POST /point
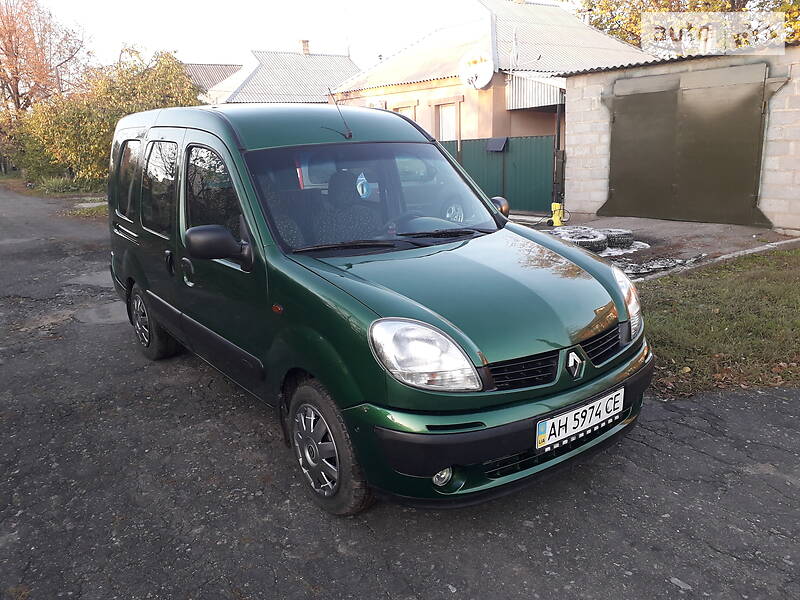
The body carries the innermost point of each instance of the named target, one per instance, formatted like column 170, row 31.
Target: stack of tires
column 595, row 240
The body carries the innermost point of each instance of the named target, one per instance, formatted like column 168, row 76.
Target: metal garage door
column 687, row 146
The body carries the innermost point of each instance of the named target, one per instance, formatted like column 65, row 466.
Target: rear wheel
column 154, row 342
column 324, row 451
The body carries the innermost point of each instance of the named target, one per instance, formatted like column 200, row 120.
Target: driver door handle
column 188, row 271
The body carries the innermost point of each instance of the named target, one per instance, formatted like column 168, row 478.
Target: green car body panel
column 509, row 294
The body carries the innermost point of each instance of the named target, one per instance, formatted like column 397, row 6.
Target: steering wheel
column 402, row 219
column 453, row 210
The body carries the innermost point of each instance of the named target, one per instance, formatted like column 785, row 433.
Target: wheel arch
column 131, row 274
column 300, row 353
column 289, row 383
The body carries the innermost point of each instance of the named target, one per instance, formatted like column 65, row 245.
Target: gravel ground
column 123, row 478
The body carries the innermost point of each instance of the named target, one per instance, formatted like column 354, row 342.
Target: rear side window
column 158, row 187
column 210, row 196
column 126, row 176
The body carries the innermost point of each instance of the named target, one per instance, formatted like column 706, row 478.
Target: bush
column 67, row 185
column 31, row 157
column 76, row 129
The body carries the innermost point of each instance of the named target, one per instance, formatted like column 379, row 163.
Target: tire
column 567, row 230
column 324, row 452
column 591, row 240
column 618, row 238
column 153, row 340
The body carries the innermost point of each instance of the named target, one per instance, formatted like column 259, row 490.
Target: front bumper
column 491, row 452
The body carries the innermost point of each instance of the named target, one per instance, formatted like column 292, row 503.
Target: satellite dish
column 477, row 69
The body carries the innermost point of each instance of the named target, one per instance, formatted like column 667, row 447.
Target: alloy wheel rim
column 141, row 321
column 316, row 450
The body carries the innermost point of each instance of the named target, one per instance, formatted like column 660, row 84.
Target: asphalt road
column 123, row 478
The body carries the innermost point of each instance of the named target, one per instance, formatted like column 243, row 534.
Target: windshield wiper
column 350, row 245
column 458, row 232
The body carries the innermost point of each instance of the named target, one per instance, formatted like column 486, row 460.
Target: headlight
column 422, row 356
column 631, row 301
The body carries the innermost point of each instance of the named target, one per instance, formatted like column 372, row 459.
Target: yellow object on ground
column 558, row 214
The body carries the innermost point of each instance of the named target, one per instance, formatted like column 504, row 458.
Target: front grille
column 508, row 465
column 599, row 348
column 539, row 369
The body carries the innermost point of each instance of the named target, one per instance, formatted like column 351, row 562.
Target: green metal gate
column 522, row 173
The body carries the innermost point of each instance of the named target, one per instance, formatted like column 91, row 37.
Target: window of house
column 210, row 196
column 126, row 176
column 447, row 122
column 158, row 187
column 407, row 111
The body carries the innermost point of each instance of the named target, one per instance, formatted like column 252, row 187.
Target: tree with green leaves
column 75, row 130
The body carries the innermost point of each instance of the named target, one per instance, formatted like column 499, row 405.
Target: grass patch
column 92, row 212
column 14, row 182
column 65, row 186
column 51, row 187
column 733, row 324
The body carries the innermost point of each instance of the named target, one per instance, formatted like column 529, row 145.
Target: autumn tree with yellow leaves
column 57, row 112
column 39, row 57
column 75, row 130
column 622, row 18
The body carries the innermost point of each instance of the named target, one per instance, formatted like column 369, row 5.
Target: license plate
column 578, row 422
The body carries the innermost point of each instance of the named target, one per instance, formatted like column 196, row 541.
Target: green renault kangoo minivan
column 343, row 268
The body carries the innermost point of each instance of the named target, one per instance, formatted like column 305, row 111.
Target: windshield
column 363, row 197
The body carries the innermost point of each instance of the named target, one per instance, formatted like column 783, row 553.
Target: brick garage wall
column 588, row 135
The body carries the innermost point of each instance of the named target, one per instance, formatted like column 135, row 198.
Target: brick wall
column 588, row 127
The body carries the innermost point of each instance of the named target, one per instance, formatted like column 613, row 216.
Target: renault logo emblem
column 574, row 365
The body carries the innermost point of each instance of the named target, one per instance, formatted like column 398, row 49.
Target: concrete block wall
column 588, row 129
column 587, row 141
column 779, row 196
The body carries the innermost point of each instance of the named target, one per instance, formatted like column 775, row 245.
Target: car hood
column 510, row 296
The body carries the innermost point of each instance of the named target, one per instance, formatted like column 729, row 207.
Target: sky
column 225, row 31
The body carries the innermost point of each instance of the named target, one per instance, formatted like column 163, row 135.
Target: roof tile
column 293, row 77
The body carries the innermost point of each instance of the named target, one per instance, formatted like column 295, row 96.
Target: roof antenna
column 348, row 133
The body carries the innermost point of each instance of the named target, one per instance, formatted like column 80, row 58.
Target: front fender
column 308, row 350
column 323, row 331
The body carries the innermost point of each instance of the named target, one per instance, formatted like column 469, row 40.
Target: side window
column 158, row 187
column 126, row 176
column 210, row 196
column 447, row 122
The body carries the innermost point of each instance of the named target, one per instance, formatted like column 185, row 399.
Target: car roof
column 256, row 126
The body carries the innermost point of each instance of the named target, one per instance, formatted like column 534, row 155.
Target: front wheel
column 325, row 453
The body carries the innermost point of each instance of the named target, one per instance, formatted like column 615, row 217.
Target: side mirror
column 502, row 205
column 214, row 241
